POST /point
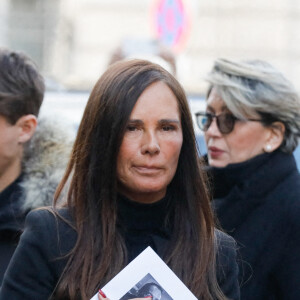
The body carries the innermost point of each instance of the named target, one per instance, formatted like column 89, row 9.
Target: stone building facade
column 73, row 40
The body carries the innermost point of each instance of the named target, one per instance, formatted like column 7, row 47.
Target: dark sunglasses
column 225, row 121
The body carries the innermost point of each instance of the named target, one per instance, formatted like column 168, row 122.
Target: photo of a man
column 147, row 287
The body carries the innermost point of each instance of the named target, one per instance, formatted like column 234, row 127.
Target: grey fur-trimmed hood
column 44, row 162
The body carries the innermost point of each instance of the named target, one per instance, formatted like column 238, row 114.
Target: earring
column 268, row 148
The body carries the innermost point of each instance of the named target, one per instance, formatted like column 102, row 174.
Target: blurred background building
column 73, row 41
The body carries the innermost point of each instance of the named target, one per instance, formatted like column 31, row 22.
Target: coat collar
column 257, row 175
column 44, row 162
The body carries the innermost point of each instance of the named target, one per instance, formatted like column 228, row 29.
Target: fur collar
column 44, row 162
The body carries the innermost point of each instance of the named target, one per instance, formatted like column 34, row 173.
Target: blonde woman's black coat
column 258, row 203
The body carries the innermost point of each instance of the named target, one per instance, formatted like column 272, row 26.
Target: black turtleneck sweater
column 35, row 270
column 258, row 203
column 144, row 225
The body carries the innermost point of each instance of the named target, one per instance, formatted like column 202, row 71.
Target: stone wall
column 74, row 39
column 30, row 26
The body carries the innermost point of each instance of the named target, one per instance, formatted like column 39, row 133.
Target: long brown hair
column 92, row 197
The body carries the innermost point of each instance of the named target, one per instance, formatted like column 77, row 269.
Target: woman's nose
column 150, row 144
column 213, row 129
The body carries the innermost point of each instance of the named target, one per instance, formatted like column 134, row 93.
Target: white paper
column 145, row 268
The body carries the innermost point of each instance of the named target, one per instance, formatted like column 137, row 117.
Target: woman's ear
column 277, row 130
column 27, row 125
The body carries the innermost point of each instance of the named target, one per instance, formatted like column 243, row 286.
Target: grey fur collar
column 44, row 162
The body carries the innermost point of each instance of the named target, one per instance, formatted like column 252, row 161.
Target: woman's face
column 151, row 146
column 247, row 139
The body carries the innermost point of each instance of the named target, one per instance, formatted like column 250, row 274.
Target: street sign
column 171, row 23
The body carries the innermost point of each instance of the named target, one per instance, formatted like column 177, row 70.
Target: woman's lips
column 147, row 170
column 215, row 152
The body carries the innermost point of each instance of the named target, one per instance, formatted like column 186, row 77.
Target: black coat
column 258, row 203
column 35, row 270
column 43, row 165
column 12, row 218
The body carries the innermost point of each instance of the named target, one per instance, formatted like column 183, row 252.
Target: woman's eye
column 131, row 128
column 168, row 128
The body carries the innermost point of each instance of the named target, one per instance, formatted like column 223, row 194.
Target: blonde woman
column 252, row 126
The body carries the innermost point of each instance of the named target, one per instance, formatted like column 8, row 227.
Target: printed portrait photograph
column 146, row 287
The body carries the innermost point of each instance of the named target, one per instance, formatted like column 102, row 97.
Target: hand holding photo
column 146, row 276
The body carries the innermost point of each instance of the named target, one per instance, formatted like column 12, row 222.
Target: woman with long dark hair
column 133, row 181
